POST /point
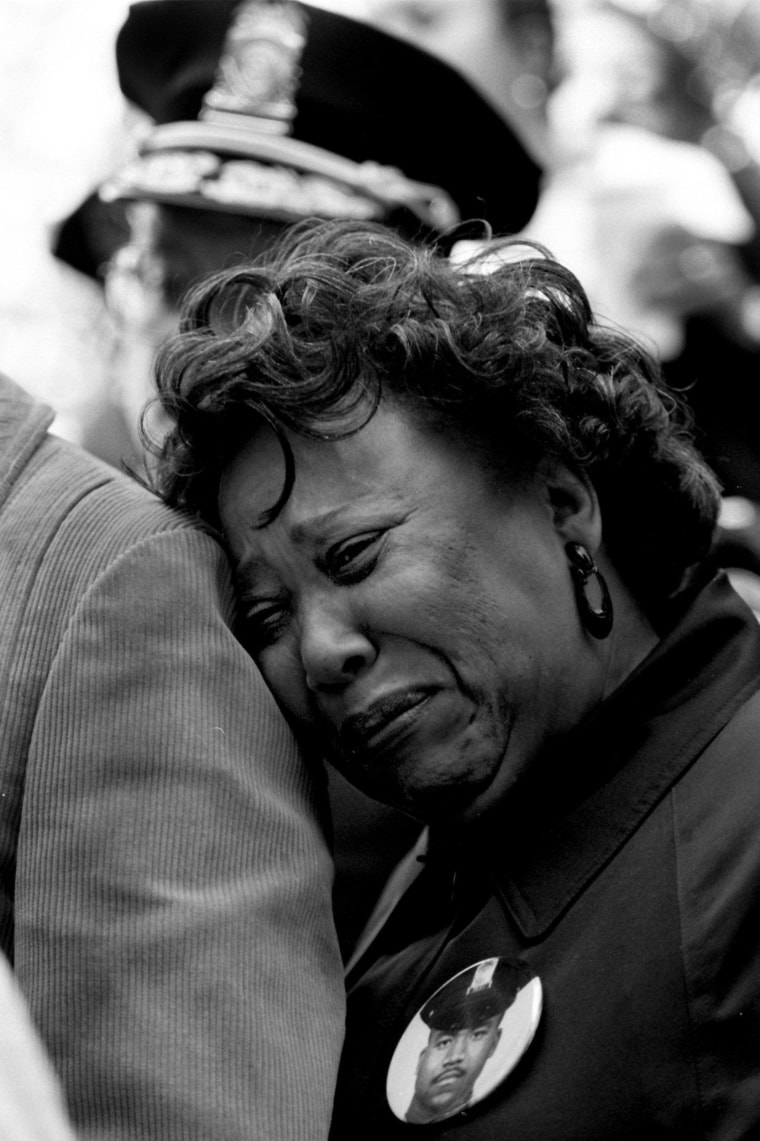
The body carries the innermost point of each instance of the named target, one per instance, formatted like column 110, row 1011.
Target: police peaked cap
column 463, row 1004
column 362, row 98
column 361, row 94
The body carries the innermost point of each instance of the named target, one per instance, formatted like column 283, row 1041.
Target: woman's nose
column 333, row 648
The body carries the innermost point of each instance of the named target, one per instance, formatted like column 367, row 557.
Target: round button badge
column 464, row 1040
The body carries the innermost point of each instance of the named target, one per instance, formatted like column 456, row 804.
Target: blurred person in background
column 265, row 114
column 655, row 202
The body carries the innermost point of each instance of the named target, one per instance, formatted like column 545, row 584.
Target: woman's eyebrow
column 302, row 531
column 252, row 565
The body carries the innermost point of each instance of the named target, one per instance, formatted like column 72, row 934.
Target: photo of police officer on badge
column 464, row 1041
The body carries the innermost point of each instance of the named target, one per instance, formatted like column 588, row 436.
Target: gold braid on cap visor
column 226, row 166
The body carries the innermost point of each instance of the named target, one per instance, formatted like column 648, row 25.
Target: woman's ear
column 574, row 505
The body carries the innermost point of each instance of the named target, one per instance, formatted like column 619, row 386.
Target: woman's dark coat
column 627, row 875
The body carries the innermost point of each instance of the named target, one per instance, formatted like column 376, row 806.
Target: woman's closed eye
column 264, row 619
column 351, row 561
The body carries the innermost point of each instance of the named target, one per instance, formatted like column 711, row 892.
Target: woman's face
column 415, row 619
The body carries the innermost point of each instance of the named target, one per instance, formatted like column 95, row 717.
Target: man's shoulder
column 66, row 481
column 68, row 520
column 63, row 480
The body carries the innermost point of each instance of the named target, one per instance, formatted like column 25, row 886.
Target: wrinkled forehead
column 278, row 472
column 340, row 459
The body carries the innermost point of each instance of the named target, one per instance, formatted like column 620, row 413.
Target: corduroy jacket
column 164, row 880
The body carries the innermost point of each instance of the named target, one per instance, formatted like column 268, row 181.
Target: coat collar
column 541, row 850
column 611, row 772
column 23, row 425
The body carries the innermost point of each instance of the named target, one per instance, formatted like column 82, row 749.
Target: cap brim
column 231, row 167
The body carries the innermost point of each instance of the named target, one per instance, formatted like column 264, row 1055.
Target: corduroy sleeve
column 173, row 926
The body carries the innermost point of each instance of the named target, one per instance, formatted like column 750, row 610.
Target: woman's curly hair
column 345, row 314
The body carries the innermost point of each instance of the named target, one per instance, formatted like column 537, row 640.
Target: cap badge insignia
column 259, row 68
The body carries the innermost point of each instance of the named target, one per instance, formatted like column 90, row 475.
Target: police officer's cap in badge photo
column 283, row 111
column 464, row 1041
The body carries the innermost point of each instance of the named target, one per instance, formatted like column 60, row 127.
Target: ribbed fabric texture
column 164, row 882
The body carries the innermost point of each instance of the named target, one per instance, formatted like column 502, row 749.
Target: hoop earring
column 597, row 619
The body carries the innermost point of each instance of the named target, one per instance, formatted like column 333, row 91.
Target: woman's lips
column 384, row 717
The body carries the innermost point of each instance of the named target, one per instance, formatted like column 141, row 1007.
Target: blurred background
column 644, row 115
column 61, row 118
